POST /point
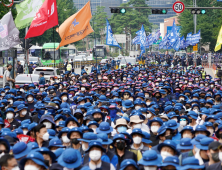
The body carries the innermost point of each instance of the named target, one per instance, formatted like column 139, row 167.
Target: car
column 22, row 79
column 126, row 60
column 48, row 72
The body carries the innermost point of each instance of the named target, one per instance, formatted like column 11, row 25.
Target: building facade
column 94, row 3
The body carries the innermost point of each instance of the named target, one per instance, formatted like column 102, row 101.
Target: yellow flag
column 219, row 41
column 76, row 27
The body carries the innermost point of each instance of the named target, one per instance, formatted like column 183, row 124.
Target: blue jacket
column 42, row 80
column 177, row 138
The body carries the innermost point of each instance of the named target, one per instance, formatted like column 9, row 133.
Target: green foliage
column 132, row 20
column 209, row 23
column 4, row 10
column 65, row 9
column 99, row 19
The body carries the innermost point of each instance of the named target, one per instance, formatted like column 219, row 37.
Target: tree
column 4, row 10
column 132, row 20
column 99, row 19
column 209, row 23
column 65, row 9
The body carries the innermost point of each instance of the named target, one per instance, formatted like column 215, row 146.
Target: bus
column 35, row 51
column 49, row 59
column 101, row 51
column 72, row 52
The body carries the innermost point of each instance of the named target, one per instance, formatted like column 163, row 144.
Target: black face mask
column 187, row 107
column 97, row 119
column 202, row 105
column 157, row 112
column 103, row 91
column 9, row 69
column 207, row 107
column 75, row 141
column 217, row 98
column 158, row 97
column 120, row 145
column 78, row 116
column 190, row 120
column 215, row 157
column 169, row 137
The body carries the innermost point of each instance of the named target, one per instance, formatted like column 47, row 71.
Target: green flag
column 26, row 12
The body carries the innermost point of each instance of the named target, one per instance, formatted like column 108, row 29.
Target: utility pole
column 26, row 54
column 195, row 29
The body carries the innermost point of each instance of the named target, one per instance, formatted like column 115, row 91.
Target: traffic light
column 27, row 44
column 118, row 10
column 159, row 11
column 22, row 43
column 198, row 11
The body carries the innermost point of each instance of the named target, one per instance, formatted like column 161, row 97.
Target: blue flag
column 156, row 36
column 195, row 38
column 110, row 40
column 176, row 45
column 188, row 39
column 136, row 40
column 182, row 42
column 173, row 34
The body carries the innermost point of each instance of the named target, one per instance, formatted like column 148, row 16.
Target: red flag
column 7, row 124
column 45, row 18
column 23, row 138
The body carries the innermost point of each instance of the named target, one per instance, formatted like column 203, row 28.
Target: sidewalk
column 210, row 71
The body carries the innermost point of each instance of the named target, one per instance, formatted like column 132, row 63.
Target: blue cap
column 127, row 104
column 52, row 133
column 75, row 129
column 104, row 127
column 34, row 156
column 150, row 158
column 55, row 142
column 95, row 143
column 33, row 145
column 197, row 139
column 146, row 138
column 191, row 163
column 172, row 124
column 128, row 162
column 171, row 160
column 185, row 144
column 44, row 150
column 168, row 143
column 58, row 152
column 137, row 131
column 203, row 145
column 105, row 139
column 88, row 136
column 20, row 150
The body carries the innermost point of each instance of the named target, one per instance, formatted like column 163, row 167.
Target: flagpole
column 54, row 44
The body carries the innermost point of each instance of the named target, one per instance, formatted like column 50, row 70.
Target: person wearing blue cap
column 48, row 155
column 129, row 164
column 22, row 113
column 74, row 134
column 170, row 163
column 12, row 123
column 191, row 163
column 20, row 150
column 95, row 151
column 34, row 160
column 168, row 148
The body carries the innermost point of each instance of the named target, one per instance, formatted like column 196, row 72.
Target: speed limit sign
column 178, row 7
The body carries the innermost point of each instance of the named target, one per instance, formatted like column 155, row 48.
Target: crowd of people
column 141, row 117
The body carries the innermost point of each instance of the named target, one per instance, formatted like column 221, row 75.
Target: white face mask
column 83, row 81
column 137, row 107
column 65, row 139
column 196, row 110
column 9, row 115
column 70, row 127
column 60, row 87
column 3, row 94
column 124, row 109
column 147, row 96
column 64, row 98
column 41, row 89
column 187, row 136
column 95, row 155
column 25, row 132
column 183, row 123
column 68, row 168
column 137, row 126
column 137, row 140
column 15, row 168
column 131, row 99
column 165, row 154
column 175, row 119
column 24, row 112
column 84, row 148
column 48, row 125
column 220, row 156
column 30, row 99
column 32, row 167
column 83, row 88
column 154, row 129
column 149, row 168
column 212, row 86
column 148, row 103
column 45, row 137
column 149, row 115
column 10, row 101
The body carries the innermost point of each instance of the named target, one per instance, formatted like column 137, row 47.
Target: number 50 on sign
column 178, row 7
